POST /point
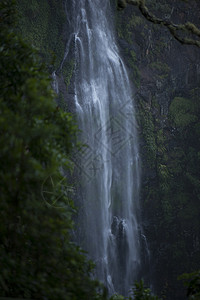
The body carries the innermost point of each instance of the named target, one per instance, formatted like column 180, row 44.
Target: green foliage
column 67, row 71
column 138, row 292
column 37, row 258
column 117, row 297
column 142, row 293
column 183, row 111
column 192, row 282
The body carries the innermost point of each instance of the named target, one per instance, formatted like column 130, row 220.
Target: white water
column 109, row 172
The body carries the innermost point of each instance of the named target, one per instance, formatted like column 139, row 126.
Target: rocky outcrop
column 163, row 70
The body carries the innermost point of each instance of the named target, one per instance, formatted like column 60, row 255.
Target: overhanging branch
column 174, row 29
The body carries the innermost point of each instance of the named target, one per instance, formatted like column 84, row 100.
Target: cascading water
column 109, row 166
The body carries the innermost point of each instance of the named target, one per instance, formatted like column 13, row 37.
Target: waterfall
column 108, row 167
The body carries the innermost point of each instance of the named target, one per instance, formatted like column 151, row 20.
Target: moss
column 135, row 21
column 67, row 71
column 160, row 141
column 148, row 133
column 183, row 112
column 41, row 23
column 135, row 74
column 160, row 67
column 155, row 103
column 162, row 7
column 126, row 25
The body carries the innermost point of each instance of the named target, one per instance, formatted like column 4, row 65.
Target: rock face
column 164, row 73
column 166, row 76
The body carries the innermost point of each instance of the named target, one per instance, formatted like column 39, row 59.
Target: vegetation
column 138, row 292
column 142, row 293
column 42, row 24
column 192, row 281
column 37, row 257
column 186, row 33
column 173, row 190
column 168, row 114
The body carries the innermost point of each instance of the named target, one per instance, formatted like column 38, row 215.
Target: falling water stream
column 109, row 172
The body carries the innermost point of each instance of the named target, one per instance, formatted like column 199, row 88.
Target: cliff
column 166, row 76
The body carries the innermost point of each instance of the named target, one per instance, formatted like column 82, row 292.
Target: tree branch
column 174, row 29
